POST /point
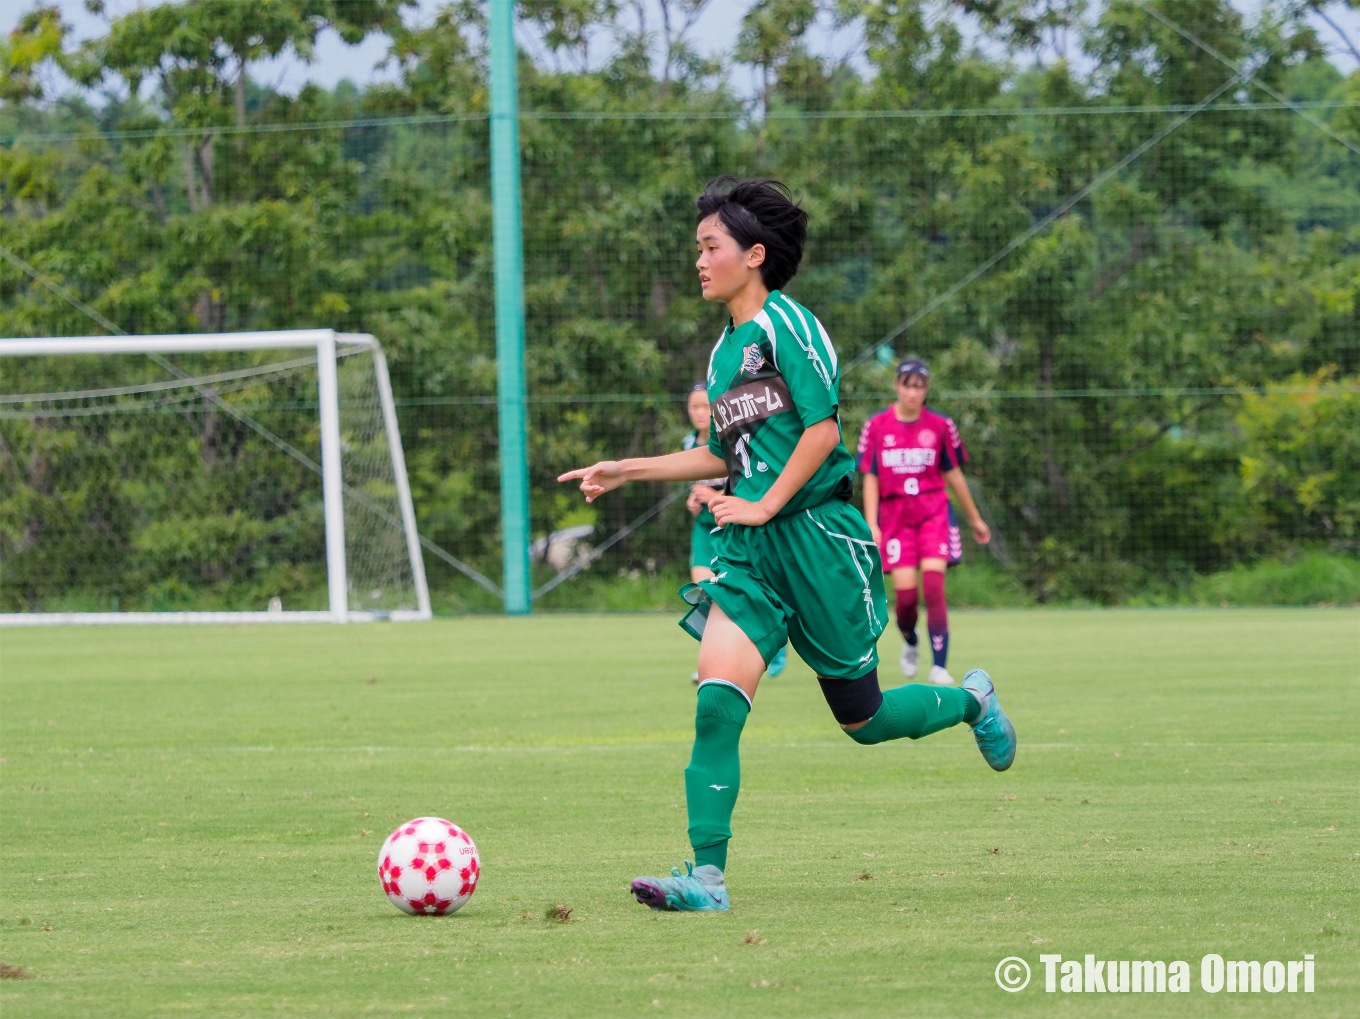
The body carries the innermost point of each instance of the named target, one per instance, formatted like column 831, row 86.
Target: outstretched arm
column 958, row 488
column 607, row 475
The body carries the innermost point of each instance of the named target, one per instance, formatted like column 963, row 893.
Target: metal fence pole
column 509, row 252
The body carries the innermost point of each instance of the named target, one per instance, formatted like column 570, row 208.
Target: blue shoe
column 777, row 663
column 993, row 730
column 700, row 889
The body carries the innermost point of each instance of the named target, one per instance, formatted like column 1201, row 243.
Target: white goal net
column 203, row 478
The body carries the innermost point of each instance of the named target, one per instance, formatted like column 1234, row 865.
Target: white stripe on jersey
column 830, row 347
column 764, row 321
column 855, row 552
column 799, row 312
column 809, row 347
column 821, row 331
column 712, row 378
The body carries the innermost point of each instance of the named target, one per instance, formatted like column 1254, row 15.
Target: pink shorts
column 908, row 537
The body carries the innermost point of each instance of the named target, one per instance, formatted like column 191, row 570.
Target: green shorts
column 812, row 579
column 701, row 550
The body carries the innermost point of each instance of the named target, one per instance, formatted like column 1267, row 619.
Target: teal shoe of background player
column 777, row 663
column 702, row 888
column 992, row 729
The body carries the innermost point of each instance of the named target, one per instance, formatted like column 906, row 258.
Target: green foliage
column 180, row 511
column 1225, row 259
column 36, row 40
column 981, row 583
column 1312, row 578
column 625, row 590
column 1301, row 464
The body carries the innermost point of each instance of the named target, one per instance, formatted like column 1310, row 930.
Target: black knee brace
column 852, row 700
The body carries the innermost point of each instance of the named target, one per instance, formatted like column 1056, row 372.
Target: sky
column 714, row 32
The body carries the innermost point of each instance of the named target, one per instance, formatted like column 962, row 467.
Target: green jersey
column 768, row 381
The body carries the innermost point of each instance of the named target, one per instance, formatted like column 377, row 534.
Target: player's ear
column 755, row 256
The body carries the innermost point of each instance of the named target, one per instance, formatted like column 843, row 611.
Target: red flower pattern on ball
column 428, row 867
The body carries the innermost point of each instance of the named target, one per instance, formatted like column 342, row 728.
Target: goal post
column 376, row 571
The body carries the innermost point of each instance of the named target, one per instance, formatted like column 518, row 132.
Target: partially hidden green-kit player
column 793, row 560
column 701, row 551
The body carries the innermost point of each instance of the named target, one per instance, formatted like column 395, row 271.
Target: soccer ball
column 429, row 866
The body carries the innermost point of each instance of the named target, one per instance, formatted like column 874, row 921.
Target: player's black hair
column 759, row 211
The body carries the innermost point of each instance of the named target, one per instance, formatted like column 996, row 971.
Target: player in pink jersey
column 912, row 459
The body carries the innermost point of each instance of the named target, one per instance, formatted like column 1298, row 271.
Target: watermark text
column 1090, row 975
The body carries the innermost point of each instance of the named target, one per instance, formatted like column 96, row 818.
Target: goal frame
column 323, row 342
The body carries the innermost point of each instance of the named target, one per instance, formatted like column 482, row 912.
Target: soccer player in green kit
column 701, row 552
column 794, row 559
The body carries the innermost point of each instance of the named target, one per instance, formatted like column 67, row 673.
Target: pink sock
column 906, row 613
column 937, row 615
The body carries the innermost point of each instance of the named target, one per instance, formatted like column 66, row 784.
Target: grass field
column 191, row 818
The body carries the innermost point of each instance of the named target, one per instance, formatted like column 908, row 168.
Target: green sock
column 973, row 710
column 716, row 855
column 714, row 773
column 917, row 710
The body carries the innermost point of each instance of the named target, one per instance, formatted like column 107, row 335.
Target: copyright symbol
column 1012, row 974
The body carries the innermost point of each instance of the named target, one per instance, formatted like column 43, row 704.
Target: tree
column 198, row 53
column 1223, row 258
column 771, row 34
column 1319, row 7
column 36, row 40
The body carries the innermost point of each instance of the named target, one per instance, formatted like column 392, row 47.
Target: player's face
column 912, row 391
column 699, row 411
column 724, row 268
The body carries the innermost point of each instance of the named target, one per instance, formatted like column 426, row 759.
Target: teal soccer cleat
column 993, row 730
column 696, row 890
column 777, row 663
